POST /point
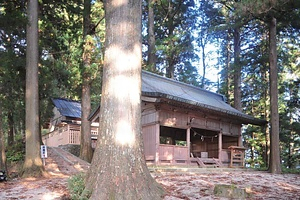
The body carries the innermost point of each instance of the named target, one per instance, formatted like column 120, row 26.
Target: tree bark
column 151, row 37
column 170, row 70
column 237, row 70
column 10, row 137
column 3, row 165
column 274, row 136
column 118, row 169
column 228, row 69
column 266, row 105
column 202, row 45
column 86, row 152
column 33, row 165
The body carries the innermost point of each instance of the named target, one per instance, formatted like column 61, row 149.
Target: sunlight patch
column 119, row 3
column 125, row 134
column 126, row 88
column 50, row 196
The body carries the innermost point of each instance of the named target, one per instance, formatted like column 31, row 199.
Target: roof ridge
column 65, row 99
column 185, row 84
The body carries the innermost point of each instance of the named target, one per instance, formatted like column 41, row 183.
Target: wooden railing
column 173, row 154
column 65, row 135
column 62, row 136
column 74, row 136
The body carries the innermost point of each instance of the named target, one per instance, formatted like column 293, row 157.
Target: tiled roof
column 67, row 107
column 157, row 86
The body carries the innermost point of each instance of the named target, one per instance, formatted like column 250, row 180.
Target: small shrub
column 290, row 171
column 15, row 152
column 76, row 187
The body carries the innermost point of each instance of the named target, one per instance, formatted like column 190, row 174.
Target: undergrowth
column 290, row 171
column 15, row 152
column 76, row 187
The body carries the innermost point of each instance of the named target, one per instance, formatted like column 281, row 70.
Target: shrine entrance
column 204, row 143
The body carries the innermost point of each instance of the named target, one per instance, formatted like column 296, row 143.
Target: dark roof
column 67, row 107
column 154, row 85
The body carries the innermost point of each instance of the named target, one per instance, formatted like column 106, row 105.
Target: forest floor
column 179, row 184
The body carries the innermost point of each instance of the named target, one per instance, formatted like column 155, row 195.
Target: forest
column 252, row 45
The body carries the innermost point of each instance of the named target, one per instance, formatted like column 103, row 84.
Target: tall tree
column 174, row 22
column 256, row 96
column 270, row 12
column 12, row 59
column 208, row 19
column 118, row 169
column 33, row 165
column 86, row 152
column 151, row 37
column 237, row 69
column 274, row 137
column 3, row 165
column 290, row 104
column 236, row 23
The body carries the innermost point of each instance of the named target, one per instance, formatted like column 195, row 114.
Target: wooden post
column 220, row 147
column 240, row 139
column 188, row 143
column 69, row 134
column 157, row 134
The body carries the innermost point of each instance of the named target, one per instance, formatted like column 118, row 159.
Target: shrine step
column 208, row 162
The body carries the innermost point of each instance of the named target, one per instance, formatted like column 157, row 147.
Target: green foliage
column 60, row 47
column 16, row 152
column 290, row 171
column 174, row 25
column 252, row 18
column 76, row 187
column 180, row 27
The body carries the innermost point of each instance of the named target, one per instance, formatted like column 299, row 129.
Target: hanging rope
column 202, row 137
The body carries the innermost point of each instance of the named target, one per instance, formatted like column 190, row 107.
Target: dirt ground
column 260, row 185
column 190, row 184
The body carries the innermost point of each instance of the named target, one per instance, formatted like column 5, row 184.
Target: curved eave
column 243, row 118
column 94, row 114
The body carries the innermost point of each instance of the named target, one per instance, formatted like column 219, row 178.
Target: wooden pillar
column 188, row 143
column 157, row 135
column 69, row 134
column 220, row 147
column 240, row 139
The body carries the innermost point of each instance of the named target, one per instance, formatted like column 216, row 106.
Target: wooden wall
column 149, row 129
column 149, row 114
column 155, row 115
column 172, row 116
column 149, row 138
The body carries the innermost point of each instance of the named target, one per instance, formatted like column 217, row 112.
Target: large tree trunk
column 274, row 136
column 151, row 37
column 118, row 169
column 33, row 165
column 237, row 70
column 86, row 152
